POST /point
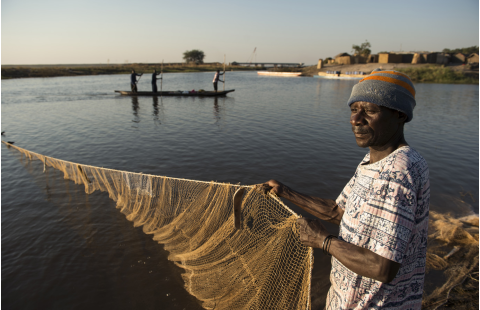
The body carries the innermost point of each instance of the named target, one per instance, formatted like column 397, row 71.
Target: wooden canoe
column 177, row 93
column 284, row 74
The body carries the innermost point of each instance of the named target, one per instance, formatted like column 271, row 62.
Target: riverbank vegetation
column 464, row 50
column 419, row 73
column 23, row 71
column 440, row 74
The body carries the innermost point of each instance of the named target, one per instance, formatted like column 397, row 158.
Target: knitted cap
column 390, row 89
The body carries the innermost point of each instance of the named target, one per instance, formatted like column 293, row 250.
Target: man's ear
column 402, row 116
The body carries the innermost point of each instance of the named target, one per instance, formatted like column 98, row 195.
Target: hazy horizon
column 116, row 32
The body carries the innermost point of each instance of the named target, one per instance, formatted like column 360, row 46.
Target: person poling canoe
column 216, row 79
column 154, row 80
column 133, row 80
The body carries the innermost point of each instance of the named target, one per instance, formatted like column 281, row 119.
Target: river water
column 64, row 249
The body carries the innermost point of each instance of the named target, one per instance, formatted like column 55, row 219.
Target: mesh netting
column 453, row 249
column 261, row 266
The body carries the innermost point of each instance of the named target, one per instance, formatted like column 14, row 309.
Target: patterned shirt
column 386, row 211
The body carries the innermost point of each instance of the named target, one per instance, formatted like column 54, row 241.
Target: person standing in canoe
column 133, row 81
column 216, row 79
column 154, row 81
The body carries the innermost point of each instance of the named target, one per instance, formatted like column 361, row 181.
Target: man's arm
column 359, row 260
column 325, row 209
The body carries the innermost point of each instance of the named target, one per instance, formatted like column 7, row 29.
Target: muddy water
column 64, row 249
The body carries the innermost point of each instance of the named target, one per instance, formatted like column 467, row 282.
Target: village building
column 458, row 58
column 372, row 58
column 389, row 58
column 422, row 58
column 320, row 64
column 343, row 59
column 359, row 59
column 407, row 58
column 417, row 58
column 472, row 58
column 443, row 58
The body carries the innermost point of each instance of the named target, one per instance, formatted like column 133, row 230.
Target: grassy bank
column 12, row 72
column 419, row 73
column 440, row 74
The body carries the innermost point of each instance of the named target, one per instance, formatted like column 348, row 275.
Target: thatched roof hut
column 472, row 58
column 458, row 58
column 343, row 59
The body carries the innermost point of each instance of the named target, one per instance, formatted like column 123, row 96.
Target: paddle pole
column 223, row 72
column 161, row 78
column 136, row 83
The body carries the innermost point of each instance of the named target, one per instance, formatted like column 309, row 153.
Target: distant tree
column 363, row 49
column 194, row 56
column 464, row 50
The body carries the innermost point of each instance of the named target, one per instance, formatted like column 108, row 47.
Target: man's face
column 374, row 125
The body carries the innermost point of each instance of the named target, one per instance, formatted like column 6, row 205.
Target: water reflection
column 216, row 111
column 135, row 108
column 158, row 111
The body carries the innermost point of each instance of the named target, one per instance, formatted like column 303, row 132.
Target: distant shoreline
column 26, row 71
column 420, row 73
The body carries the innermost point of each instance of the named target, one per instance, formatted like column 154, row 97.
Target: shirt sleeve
column 388, row 216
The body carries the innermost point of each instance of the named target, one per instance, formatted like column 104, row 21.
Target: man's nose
column 357, row 118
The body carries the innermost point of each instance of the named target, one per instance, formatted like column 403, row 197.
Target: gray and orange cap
column 390, row 89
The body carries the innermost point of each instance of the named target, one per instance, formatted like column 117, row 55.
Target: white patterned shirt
column 386, row 211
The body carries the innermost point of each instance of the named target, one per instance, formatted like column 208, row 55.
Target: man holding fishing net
column 378, row 258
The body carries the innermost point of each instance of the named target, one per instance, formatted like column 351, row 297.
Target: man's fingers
column 263, row 188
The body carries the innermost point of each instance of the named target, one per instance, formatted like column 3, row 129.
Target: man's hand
column 312, row 232
column 273, row 186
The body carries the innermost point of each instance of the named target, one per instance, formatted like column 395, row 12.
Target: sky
column 297, row 31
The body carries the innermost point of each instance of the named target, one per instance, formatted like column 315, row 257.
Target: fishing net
column 453, row 249
column 261, row 265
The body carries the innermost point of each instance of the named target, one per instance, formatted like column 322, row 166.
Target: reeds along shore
column 23, row 71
